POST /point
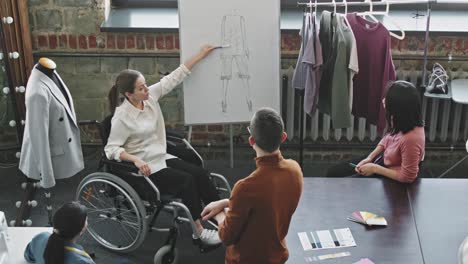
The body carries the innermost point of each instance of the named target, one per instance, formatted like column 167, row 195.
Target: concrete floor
column 10, row 192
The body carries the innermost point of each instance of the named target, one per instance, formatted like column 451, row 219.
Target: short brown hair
column 267, row 129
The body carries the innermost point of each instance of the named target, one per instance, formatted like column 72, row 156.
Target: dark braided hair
column 68, row 221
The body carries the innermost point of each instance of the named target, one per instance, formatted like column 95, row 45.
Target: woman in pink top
column 398, row 154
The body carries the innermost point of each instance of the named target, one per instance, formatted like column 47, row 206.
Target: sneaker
column 210, row 237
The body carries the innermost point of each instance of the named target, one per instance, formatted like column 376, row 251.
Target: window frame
column 144, row 3
column 292, row 4
column 165, row 18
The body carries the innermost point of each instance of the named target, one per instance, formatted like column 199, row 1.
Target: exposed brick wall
column 411, row 45
column 169, row 43
column 105, row 42
column 71, row 26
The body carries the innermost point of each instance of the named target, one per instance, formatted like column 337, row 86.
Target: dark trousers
column 344, row 169
column 189, row 182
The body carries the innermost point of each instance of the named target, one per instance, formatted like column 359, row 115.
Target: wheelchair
column 123, row 208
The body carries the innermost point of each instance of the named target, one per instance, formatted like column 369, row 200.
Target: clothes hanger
column 386, row 14
column 311, row 11
column 370, row 12
column 334, row 6
column 311, row 7
column 47, row 63
column 346, row 12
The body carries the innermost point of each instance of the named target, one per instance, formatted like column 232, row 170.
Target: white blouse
column 142, row 133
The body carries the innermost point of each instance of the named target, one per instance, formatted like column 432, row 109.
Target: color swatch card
column 324, row 239
column 327, row 256
column 364, row 261
column 367, row 218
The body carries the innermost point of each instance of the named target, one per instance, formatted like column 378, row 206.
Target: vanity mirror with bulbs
column 16, row 62
column 8, row 129
column 15, row 65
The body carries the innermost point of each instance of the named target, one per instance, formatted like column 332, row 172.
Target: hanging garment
column 376, row 69
column 326, row 35
column 345, row 67
column 312, row 58
column 353, row 58
column 299, row 76
column 340, row 64
column 51, row 143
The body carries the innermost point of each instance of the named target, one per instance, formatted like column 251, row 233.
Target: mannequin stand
column 24, row 206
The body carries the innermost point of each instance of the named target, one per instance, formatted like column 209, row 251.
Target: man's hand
column 220, row 217
column 213, row 209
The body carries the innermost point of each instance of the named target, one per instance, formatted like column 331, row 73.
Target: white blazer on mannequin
column 51, row 143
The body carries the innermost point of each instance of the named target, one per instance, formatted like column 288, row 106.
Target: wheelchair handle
column 88, row 122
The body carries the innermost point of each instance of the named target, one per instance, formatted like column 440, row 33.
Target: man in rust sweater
column 254, row 222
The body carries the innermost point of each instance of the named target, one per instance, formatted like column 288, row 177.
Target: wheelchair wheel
column 165, row 256
column 116, row 215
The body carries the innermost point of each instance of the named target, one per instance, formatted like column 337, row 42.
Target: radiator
column 445, row 120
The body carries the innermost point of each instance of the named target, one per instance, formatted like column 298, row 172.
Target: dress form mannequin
column 51, row 147
column 47, row 66
column 47, row 63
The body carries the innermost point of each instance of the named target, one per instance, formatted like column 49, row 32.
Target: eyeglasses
column 248, row 129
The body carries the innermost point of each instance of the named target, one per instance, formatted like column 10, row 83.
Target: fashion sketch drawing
column 235, row 50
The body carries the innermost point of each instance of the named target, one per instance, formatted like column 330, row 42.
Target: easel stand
column 231, row 144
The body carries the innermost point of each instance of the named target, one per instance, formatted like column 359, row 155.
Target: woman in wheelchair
column 69, row 222
column 138, row 135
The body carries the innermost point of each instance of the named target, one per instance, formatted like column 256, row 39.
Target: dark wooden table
column 440, row 207
column 327, row 202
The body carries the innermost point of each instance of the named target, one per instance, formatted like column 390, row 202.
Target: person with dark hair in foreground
column 70, row 221
column 254, row 222
column 399, row 153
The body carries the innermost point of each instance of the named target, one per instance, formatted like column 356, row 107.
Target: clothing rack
column 368, row 3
